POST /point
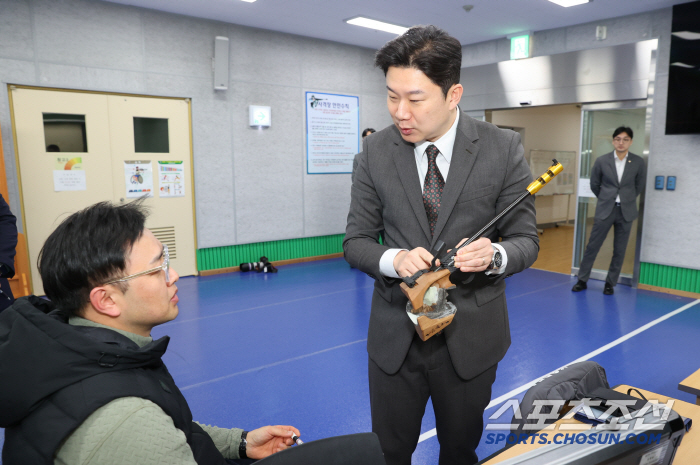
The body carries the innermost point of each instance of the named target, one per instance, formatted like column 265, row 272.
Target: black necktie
column 432, row 188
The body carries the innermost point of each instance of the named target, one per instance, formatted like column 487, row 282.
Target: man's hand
column 268, row 440
column 474, row 257
column 407, row 263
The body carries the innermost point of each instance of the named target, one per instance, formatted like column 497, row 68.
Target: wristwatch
column 496, row 260
column 242, row 447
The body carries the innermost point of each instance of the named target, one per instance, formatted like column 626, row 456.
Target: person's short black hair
column 368, row 131
column 428, row 49
column 87, row 249
column 622, row 129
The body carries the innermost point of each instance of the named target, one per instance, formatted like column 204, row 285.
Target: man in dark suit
column 8, row 243
column 436, row 174
column 617, row 178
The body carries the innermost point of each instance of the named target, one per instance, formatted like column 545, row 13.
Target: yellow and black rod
column 447, row 260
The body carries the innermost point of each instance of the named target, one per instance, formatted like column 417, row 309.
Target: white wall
column 250, row 185
column 670, row 227
column 556, row 128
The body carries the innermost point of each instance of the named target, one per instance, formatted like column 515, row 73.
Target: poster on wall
column 332, row 132
column 69, row 175
column 139, row 178
column 171, row 178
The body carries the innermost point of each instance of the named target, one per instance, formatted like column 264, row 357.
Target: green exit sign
column 519, row 47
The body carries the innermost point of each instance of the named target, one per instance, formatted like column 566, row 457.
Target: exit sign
column 520, row 47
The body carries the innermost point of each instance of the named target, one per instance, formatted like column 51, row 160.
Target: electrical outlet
column 601, row 32
column 671, row 183
column 659, row 183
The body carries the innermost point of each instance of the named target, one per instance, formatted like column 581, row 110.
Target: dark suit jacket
column 486, row 174
column 8, row 243
column 605, row 185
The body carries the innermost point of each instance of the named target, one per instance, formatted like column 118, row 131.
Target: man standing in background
column 617, row 179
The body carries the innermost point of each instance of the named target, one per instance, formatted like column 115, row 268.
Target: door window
column 64, row 132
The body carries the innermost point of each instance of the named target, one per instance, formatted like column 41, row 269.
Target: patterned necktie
column 432, row 188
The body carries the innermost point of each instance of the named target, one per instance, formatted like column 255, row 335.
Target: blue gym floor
column 252, row 349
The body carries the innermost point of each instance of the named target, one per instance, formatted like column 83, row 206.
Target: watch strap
column 242, row 447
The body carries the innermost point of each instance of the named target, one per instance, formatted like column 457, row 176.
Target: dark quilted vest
column 40, row 434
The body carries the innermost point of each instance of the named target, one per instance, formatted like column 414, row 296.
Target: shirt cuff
column 504, row 261
column 386, row 263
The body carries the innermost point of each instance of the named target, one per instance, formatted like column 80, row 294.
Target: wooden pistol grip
column 416, row 293
column 445, row 282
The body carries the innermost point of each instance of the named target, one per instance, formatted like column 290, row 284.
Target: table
column 691, row 385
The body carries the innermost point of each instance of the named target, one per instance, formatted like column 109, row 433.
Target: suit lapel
column 611, row 164
column 405, row 162
column 629, row 164
column 463, row 158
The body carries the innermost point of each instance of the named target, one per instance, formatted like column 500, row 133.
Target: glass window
column 64, row 132
column 151, row 135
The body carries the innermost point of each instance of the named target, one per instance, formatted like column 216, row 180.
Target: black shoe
column 579, row 286
column 608, row 290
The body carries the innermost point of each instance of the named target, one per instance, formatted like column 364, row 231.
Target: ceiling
column 324, row 19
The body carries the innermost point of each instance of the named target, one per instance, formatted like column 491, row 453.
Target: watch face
column 497, row 260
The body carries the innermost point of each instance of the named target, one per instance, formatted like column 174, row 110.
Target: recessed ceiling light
column 569, row 2
column 378, row 25
column 249, row 1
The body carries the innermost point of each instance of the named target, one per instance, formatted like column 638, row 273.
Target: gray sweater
column 135, row 430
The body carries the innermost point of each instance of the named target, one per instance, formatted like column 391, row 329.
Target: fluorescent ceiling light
column 687, row 35
column 249, row 1
column 568, row 3
column 378, row 25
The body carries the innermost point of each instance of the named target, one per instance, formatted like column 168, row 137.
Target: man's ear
column 104, row 301
column 455, row 95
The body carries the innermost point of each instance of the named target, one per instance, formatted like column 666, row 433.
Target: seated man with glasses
column 81, row 379
column 617, row 179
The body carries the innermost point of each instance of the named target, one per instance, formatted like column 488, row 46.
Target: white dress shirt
column 444, row 144
column 620, row 168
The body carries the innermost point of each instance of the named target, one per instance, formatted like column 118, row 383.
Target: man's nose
column 173, row 275
column 402, row 110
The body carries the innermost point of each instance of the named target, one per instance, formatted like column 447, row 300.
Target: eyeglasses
column 165, row 267
column 618, row 140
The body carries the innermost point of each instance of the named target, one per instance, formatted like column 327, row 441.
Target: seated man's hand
column 474, row 257
column 268, row 440
column 407, row 263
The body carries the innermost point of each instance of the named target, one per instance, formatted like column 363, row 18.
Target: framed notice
column 332, row 132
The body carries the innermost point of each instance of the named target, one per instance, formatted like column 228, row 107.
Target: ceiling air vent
column 166, row 235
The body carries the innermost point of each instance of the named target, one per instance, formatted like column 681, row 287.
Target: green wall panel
column 233, row 255
column 670, row 277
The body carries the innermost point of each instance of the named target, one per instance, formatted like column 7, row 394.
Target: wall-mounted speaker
column 221, row 63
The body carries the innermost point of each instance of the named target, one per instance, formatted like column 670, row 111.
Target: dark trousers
column 598, row 235
column 398, row 403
